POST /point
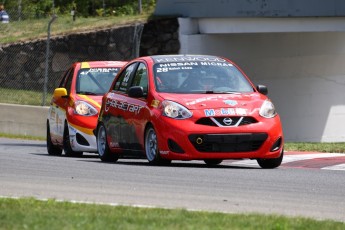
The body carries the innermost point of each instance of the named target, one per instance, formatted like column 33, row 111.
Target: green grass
column 29, row 213
column 337, row 147
column 24, row 137
column 19, row 31
column 23, row 97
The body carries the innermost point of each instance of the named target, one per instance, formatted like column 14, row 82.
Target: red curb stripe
column 302, row 153
column 316, row 162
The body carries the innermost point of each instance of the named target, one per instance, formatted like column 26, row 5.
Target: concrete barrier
column 23, row 120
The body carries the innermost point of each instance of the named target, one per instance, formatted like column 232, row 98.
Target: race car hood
column 249, row 101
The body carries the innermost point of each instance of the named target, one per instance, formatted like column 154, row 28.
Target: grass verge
column 23, row 97
column 17, row 31
column 334, row 147
column 29, row 213
column 25, row 137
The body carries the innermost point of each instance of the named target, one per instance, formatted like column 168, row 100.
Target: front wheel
column 271, row 163
column 151, row 148
column 51, row 148
column 104, row 152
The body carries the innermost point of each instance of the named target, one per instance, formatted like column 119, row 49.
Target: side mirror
column 60, row 92
column 262, row 89
column 136, row 91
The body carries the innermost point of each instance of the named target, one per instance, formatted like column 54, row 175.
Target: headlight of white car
column 85, row 109
column 267, row 109
column 175, row 110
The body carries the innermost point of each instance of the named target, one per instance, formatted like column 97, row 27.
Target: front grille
column 206, row 121
column 237, row 142
column 226, row 121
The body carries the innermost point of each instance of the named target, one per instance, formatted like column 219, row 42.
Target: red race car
column 75, row 106
column 188, row 107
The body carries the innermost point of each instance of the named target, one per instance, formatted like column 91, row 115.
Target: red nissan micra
column 188, row 107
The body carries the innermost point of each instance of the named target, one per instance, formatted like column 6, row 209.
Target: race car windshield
column 95, row 81
column 200, row 77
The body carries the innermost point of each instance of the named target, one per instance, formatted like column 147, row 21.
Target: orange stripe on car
column 90, row 100
column 82, row 129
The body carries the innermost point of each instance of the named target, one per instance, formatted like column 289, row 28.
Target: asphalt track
column 306, row 184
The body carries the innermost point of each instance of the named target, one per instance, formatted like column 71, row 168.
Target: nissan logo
column 227, row 121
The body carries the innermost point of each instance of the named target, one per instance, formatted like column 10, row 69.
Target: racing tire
column 67, row 144
column 213, row 162
column 103, row 150
column 52, row 149
column 151, row 148
column 271, row 163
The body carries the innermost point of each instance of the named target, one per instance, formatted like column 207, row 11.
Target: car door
column 137, row 113
column 58, row 107
column 115, row 113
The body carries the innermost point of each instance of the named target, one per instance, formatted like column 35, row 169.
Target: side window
column 66, row 82
column 64, row 77
column 69, row 81
column 122, row 82
column 140, row 78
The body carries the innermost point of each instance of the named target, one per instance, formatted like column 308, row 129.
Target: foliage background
column 35, row 9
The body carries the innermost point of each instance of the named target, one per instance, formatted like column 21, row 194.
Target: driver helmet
column 208, row 81
column 167, row 80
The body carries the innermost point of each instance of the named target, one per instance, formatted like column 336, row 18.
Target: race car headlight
column 174, row 110
column 85, row 109
column 267, row 109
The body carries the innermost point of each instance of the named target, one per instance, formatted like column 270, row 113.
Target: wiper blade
column 226, row 92
column 219, row 92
